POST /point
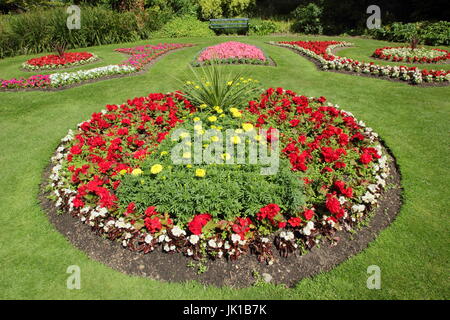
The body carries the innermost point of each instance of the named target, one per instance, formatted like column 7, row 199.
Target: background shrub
column 262, row 27
column 211, row 9
column 429, row 33
column 184, row 26
column 307, row 19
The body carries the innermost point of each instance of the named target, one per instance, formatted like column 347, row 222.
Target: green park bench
column 223, row 24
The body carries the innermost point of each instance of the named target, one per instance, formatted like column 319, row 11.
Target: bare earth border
column 334, row 51
column 172, row 267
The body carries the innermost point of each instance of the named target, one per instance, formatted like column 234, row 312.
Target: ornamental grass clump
column 213, row 86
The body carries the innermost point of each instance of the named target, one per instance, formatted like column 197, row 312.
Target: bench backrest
column 228, row 23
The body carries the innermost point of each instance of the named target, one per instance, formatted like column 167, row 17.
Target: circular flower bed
column 117, row 173
column 231, row 52
column 410, row 55
column 54, row 61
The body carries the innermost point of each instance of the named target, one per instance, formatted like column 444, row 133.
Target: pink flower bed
column 231, row 50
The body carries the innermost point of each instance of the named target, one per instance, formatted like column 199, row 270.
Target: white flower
column 235, row 237
column 177, row 231
column 148, row 239
column 307, row 229
column 369, row 198
column 212, row 243
column 194, row 239
column 358, row 208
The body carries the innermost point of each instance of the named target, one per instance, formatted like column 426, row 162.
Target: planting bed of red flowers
column 54, row 61
column 340, row 159
column 322, row 52
column 410, row 55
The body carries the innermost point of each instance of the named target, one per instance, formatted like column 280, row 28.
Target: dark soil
column 318, row 65
column 241, row 273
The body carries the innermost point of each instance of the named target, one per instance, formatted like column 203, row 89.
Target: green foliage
column 227, row 191
column 215, row 87
column 211, row 9
column 262, row 27
column 38, row 30
column 185, row 26
column 308, row 19
column 179, row 7
column 437, row 33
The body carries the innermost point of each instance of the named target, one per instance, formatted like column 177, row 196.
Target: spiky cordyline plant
column 212, row 86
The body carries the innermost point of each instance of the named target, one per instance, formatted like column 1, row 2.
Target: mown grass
column 413, row 253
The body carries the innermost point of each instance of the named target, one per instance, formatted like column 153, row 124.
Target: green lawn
column 413, row 253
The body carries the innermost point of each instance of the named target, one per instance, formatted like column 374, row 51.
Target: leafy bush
column 211, row 9
column 307, row 19
column 185, row 26
column 262, row 27
column 437, row 33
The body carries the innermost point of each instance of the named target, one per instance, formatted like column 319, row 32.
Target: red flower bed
column 344, row 173
column 397, row 54
column 322, row 51
column 54, row 61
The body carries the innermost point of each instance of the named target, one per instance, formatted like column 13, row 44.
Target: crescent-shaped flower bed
column 115, row 173
column 231, row 52
column 410, row 55
column 140, row 57
column 322, row 53
column 54, row 61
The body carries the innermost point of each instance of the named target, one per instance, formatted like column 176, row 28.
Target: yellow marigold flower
column 198, row 127
column 230, row 83
column 163, row 153
column 197, row 87
column 136, row 172
column 237, row 114
column 233, row 110
column 212, row 119
column 189, row 166
column 238, row 131
column 235, row 139
column 196, row 119
column 200, row 173
column 214, row 138
column 226, row 156
column 123, row 171
column 186, row 155
column 258, row 137
column 247, row 127
column 202, row 106
column 156, row 168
